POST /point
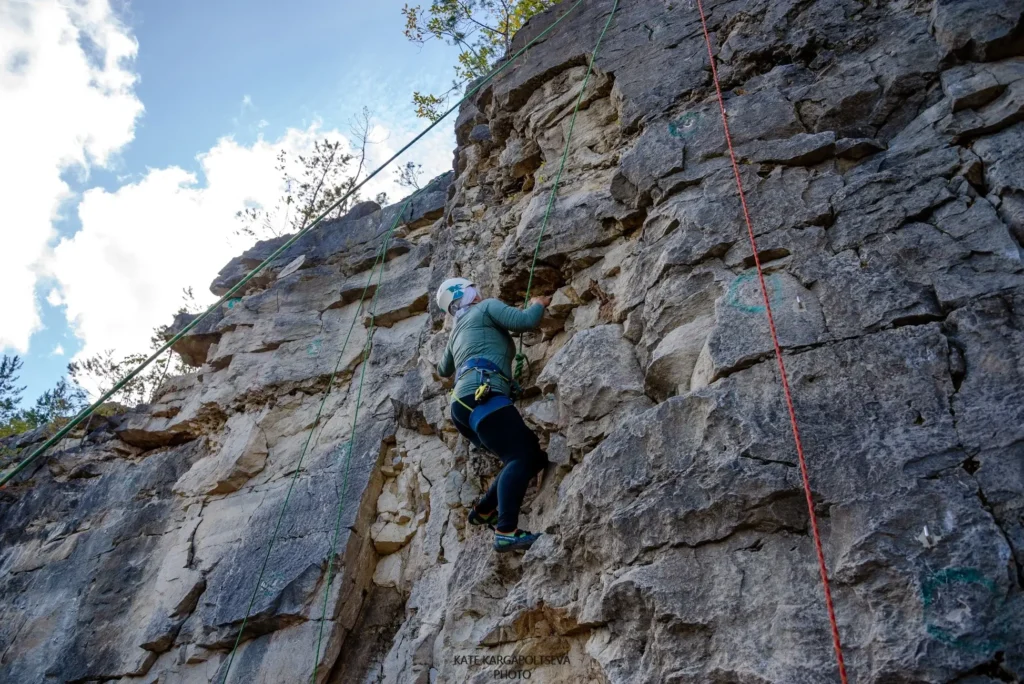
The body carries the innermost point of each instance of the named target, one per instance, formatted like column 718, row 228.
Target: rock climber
column 480, row 352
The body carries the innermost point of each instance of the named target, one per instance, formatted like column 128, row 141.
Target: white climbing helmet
column 451, row 290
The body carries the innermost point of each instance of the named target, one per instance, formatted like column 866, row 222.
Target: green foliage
column 59, row 403
column 17, row 424
column 481, row 29
column 430, row 106
column 10, row 393
column 103, row 370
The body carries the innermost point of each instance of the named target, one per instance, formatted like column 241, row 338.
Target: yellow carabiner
column 481, row 391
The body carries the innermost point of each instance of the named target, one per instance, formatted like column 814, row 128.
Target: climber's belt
column 487, row 401
column 485, row 369
column 483, row 366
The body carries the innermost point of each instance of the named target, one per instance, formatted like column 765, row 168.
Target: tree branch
column 311, row 204
column 469, row 15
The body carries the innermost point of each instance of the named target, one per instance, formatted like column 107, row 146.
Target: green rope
column 520, row 357
column 381, row 257
column 84, row 413
column 366, row 352
column 348, row 463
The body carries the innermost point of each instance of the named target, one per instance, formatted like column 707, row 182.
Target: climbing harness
column 230, row 294
column 778, row 356
column 492, row 402
column 351, row 443
column 520, row 357
column 495, row 401
column 485, row 367
column 487, row 401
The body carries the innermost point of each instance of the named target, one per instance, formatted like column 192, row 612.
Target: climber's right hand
column 543, row 301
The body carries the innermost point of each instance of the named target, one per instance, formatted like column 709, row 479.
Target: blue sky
column 296, row 61
column 214, row 86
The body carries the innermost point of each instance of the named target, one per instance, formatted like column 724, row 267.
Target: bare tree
column 408, row 175
column 324, row 176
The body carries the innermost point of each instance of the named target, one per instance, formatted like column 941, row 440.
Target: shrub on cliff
column 481, row 29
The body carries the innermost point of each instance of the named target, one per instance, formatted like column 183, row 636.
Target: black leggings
column 505, row 434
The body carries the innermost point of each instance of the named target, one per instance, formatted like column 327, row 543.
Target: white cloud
column 123, row 273
column 66, row 84
column 58, row 350
column 433, row 152
column 68, row 103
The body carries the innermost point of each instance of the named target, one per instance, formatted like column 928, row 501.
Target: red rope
column 778, row 355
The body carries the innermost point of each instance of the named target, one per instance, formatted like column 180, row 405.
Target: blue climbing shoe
column 517, row 541
column 475, row 518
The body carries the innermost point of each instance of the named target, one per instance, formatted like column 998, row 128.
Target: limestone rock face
column 881, row 148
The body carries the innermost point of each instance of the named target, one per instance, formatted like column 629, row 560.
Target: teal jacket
column 483, row 332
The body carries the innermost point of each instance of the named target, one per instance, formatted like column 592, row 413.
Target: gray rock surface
column 880, row 146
